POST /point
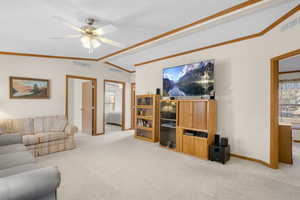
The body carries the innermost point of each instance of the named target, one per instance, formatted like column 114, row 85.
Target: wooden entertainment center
column 199, row 116
column 186, row 126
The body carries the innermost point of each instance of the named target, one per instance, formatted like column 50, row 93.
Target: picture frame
column 28, row 88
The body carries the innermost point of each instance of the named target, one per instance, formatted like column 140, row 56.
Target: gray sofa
column 20, row 176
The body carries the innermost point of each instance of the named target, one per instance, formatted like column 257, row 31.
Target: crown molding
column 171, row 32
column 263, row 32
column 45, row 56
column 119, row 67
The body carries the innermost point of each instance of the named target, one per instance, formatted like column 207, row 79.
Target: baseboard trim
column 297, row 141
column 102, row 133
column 251, row 159
column 114, row 124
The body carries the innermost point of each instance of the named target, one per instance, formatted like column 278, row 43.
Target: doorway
column 114, row 106
column 281, row 137
column 81, row 103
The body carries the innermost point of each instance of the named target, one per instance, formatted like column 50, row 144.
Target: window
column 289, row 101
column 110, row 100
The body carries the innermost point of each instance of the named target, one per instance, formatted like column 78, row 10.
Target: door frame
column 123, row 102
column 274, row 102
column 132, row 108
column 94, row 83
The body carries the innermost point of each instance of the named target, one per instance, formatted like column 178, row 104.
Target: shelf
column 145, row 106
column 172, row 120
column 167, row 126
column 197, row 137
column 193, row 129
column 144, row 128
column 145, row 117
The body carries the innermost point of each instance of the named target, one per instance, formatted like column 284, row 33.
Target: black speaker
column 217, row 140
column 219, row 153
column 158, row 91
column 224, row 142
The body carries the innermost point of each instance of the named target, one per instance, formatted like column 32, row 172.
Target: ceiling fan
column 90, row 36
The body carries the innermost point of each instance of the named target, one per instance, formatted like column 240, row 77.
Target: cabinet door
column 199, row 117
column 188, row 144
column 179, row 134
column 185, row 114
column 201, row 147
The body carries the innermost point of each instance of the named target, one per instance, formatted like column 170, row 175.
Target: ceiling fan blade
column 68, row 24
column 105, row 29
column 67, row 37
column 110, row 42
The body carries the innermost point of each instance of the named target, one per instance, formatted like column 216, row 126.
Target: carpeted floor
column 118, row 167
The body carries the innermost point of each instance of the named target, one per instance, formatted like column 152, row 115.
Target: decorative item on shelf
column 157, row 91
column 212, row 97
column 219, row 152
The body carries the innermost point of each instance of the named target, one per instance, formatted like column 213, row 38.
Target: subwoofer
column 219, row 153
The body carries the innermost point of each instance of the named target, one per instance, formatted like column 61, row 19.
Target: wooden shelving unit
column 147, row 117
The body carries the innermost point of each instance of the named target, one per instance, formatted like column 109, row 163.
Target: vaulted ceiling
column 28, row 25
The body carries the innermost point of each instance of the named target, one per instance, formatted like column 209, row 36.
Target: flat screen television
column 196, row 79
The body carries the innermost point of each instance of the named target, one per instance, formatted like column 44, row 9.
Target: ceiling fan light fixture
column 90, row 36
column 95, row 43
column 85, row 41
column 88, row 42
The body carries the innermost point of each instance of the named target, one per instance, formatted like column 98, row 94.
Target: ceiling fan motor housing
column 90, row 21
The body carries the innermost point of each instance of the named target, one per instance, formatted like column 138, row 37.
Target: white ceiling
column 228, row 30
column 290, row 64
column 28, row 25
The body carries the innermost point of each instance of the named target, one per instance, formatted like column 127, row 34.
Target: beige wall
column 242, row 86
column 55, row 70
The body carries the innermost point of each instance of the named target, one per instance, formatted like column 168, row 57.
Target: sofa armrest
column 71, row 129
column 33, row 184
column 8, row 139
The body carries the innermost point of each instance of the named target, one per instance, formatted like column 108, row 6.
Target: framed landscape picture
column 29, row 88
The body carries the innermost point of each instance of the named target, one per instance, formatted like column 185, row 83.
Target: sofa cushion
column 30, row 139
column 49, row 124
column 12, row 148
column 18, row 169
column 51, row 136
column 15, row 159
column 8, row 139
column 21, row 126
